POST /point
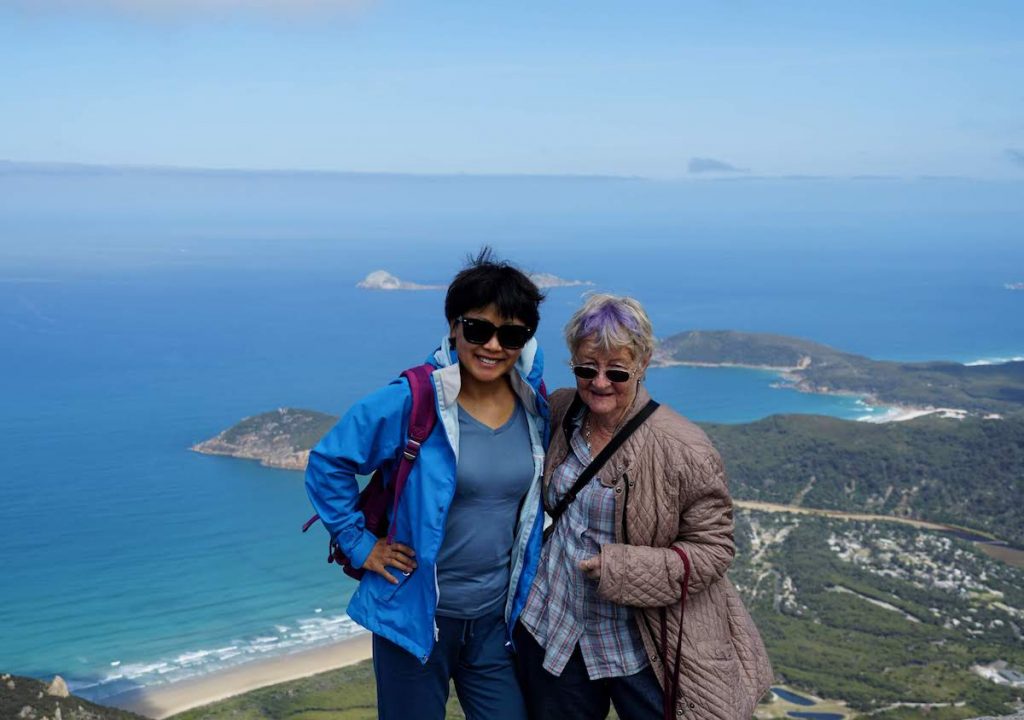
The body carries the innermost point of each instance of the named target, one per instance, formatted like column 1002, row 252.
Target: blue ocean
column 143, row 311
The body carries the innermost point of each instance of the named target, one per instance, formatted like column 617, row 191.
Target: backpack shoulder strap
column 424, row 413
column 422, row 418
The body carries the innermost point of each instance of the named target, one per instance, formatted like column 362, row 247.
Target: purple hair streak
column 611, row 322
column 603, row 319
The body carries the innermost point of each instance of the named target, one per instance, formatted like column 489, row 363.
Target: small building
column 1012, row 677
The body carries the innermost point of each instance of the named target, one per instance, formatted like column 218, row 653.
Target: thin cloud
column 1016, row 156
column 710, row 165
column 179, row 8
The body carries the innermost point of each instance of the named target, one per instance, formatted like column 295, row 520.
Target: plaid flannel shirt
column 563, row 608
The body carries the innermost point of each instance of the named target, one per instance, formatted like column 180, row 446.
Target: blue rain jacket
column 372, row 433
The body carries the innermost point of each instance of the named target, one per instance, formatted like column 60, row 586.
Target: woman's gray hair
column 612, row 322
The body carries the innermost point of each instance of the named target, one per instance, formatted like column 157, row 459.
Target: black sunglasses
column 589, row 372
column 479, row 332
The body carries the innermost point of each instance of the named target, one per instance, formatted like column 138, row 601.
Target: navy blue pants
column 574, row 695
column 470, row 652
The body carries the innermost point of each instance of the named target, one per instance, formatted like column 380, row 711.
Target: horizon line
column 55, row 167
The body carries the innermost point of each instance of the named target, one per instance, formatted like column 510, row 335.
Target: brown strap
column 671, row 683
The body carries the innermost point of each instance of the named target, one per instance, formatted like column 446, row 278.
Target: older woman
column 630, row 604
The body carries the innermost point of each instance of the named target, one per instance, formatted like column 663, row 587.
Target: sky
column 661, row 89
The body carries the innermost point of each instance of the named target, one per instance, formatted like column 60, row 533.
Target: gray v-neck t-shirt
column 493, row 474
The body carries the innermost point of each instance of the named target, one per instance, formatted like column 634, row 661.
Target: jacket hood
column 527, row 373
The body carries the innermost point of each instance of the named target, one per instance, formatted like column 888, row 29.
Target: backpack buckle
column 412, row 450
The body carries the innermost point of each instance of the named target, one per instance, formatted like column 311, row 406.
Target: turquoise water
column 740, row 395
column 126, row 335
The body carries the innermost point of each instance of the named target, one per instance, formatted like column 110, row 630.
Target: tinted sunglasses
column 479, row 332
column 589, row 372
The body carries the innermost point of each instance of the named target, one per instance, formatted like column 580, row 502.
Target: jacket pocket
column 392, row 590
column 721, row 689
column 717, row 651
column 377, row 589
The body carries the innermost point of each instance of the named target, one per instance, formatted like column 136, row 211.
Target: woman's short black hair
column 486, row 281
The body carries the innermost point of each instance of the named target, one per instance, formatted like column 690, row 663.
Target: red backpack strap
column 422, row 418
column 671, row 684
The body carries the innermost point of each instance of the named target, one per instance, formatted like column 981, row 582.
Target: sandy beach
column 901, row 413
column 162, row 701
column 790, row 380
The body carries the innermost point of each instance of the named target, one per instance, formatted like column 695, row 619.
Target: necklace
column 588, row 424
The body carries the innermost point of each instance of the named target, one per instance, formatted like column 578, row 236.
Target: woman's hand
column 592, row 567
column 394, row 555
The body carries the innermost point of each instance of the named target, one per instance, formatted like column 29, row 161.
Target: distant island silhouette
column 383, row 280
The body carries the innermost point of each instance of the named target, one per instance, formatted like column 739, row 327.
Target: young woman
column 442, row 598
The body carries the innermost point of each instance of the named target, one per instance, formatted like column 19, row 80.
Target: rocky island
column 280, row 438
column 816, row 368
column 383, row 280
column 547, row 280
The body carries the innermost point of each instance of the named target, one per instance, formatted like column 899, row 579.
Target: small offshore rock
column 58, row 687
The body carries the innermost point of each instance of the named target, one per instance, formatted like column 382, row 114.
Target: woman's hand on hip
column 592, row 567
column 396, row 555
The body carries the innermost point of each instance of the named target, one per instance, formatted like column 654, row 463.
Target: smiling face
column 488, row 362
column 607, row 400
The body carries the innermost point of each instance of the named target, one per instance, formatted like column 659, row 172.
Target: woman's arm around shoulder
column 370, row 433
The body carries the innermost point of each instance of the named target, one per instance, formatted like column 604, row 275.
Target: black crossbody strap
column 597, row 463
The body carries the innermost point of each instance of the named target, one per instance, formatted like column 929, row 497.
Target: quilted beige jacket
column 671, row 489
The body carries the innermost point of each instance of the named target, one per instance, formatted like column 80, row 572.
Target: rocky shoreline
column 30, row 699
column 254, row 450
